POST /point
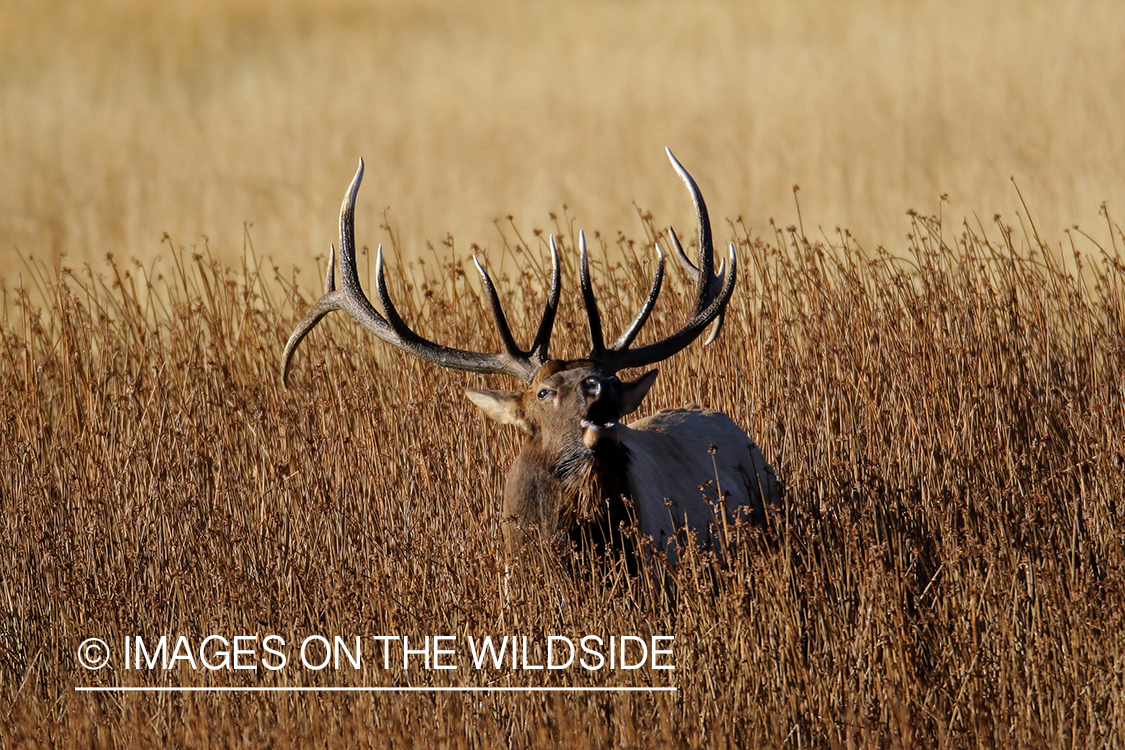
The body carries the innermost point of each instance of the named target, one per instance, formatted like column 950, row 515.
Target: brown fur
column 557, row 485
column 580, row 473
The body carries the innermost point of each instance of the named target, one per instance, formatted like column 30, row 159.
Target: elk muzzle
column 602, row 395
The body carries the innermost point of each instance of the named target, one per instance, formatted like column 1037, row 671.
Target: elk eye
column 545, row 394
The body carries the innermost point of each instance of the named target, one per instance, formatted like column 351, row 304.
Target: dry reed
column 947, row 569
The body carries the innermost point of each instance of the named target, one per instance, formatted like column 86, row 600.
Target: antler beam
column 713, row 292
column 390, row 327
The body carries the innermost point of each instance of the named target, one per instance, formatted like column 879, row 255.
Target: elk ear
column 505, row 407
column 636, row 390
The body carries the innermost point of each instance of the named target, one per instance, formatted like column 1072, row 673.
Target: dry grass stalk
column 947, row 571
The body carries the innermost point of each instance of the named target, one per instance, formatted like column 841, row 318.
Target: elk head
column 572, row 472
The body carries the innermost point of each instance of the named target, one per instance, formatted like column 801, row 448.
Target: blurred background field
column 121, row 120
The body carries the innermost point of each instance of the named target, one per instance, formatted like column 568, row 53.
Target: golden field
column 121, row 120
column 947, row 569
column 947, row 416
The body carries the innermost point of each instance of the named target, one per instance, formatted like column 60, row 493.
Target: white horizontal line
column 271, row 689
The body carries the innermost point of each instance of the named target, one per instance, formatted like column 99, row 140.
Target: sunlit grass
column 946, row 570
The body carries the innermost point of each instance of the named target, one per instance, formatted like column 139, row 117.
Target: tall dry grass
column 947, row 569
column 124, row 119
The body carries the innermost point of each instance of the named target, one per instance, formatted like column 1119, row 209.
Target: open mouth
column 594, row 433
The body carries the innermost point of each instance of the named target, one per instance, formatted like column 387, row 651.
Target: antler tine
column 638, row 323
column 688, row 332
column 712, row 295
column 717, row 282
column 330, row 272
column 714, row 284
column 398, row 325
column 332, row 299
column 543, row 336
column 685, row 262
column 597, row 344
column 497, row 311
column 318, row 311
column 689, row 267
column 392, row 329
column 706, row 267
column 348, row 273
column 325, row 305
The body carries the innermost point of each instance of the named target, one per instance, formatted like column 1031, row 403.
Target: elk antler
column 394, row 331
column 713, row 282
column 713, row 292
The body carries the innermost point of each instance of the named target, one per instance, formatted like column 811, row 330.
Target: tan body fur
column 675, row 479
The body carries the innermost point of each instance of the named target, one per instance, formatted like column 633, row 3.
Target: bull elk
column 581, row 473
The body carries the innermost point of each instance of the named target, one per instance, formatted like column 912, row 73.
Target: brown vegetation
column 948, row 568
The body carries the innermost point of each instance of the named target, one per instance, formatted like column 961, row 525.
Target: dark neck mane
column 595, row 501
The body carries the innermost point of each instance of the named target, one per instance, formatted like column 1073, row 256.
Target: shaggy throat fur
column 595, row 501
